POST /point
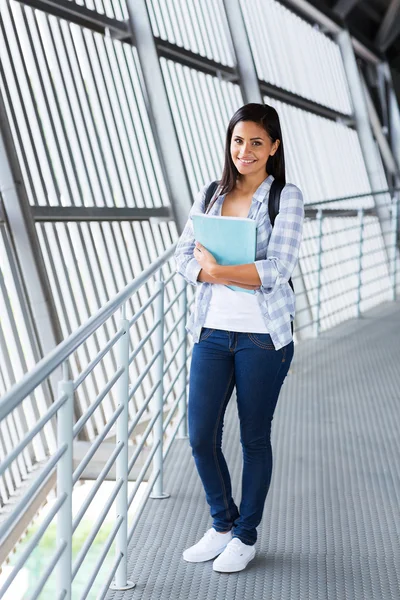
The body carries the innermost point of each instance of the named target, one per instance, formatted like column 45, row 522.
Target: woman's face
column 251, row 147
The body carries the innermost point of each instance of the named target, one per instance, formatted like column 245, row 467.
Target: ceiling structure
column 374, row 22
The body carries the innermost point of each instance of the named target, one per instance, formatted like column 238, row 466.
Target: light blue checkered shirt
column 276, row 257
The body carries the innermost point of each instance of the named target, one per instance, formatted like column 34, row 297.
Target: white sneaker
column 235, row 557
column 211, row 544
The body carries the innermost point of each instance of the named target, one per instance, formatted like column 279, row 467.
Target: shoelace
column 233, row 547
column 210, row 534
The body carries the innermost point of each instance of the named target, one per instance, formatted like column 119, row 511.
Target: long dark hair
column 266, row 116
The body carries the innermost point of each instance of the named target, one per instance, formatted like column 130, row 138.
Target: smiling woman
column 242, row 340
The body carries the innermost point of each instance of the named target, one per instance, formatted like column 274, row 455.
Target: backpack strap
column 274, row 199
column 210, row 193
column 273, row 210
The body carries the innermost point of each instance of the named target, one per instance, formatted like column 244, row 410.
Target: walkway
column 331, row 525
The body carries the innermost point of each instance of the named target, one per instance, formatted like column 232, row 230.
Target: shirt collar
column 262, row 191
column 260, row 194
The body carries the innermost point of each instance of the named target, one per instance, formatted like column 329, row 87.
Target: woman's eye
column 239, row 141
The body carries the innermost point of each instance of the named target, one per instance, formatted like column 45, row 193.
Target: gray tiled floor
column 331, row 524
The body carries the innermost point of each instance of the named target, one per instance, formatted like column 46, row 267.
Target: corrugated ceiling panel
column 81, row 126
column 197, row 26
column 295, row 56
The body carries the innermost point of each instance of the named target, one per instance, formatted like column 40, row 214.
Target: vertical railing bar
column 319, row 263
column 395, row 212
column 64, row 483
column 158, row 400
column 182, row 414
column 360, row 258
column 121, row 582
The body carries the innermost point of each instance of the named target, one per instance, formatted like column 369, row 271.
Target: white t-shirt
column 234, row 311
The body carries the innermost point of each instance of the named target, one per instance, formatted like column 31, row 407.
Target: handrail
column 56, row 357
column 61, row 459
column 353, row 197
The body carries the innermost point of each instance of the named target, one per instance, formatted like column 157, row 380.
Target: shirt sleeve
column 284, row 243
column 186, row 264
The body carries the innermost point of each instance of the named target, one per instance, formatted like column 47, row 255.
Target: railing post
column 121, row 546
column 158, row 434
column 182, row 431
column 360, row 257
column 319, row 263
column 64, row 484
column 395, row 212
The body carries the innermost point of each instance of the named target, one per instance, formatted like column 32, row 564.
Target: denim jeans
column 222, row 360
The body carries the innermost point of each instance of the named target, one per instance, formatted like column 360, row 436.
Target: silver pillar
column 383, row 143
column 367, row 143
column 244, row 57
column 158, row 110
column 47, row 329
column 394, row 113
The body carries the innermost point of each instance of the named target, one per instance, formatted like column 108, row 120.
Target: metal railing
column 343, row 256
column 61, row 461
column 325, row 240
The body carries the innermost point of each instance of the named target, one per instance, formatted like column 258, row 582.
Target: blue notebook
column 231, row 240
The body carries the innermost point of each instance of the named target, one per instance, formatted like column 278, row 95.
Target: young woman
column 241, row 340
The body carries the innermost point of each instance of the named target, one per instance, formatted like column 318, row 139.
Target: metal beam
column 366, row 138
column 195, row 61
column 394, row 113
column 26, row 245
column 268, row 89
column 311, row 213
column 384, row 147
column 96, row 213
column 159, row 113
column 57, row 214
column 390, row 26
column 80, row 15
column 394, row 121
column 330, row 23
column 246, row 68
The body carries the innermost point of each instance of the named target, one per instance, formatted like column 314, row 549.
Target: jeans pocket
column 262, row 340
column 205, row 333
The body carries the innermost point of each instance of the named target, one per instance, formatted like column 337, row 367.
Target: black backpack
column 273, row 206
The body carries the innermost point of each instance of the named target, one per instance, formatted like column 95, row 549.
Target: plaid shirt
column 276, row 257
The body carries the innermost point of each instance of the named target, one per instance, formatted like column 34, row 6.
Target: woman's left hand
column 204, row 257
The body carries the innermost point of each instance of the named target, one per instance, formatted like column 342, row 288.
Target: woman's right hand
column 241, row 285
column 205, row 277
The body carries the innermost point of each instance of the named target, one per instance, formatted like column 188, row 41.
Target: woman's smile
column 246, row 161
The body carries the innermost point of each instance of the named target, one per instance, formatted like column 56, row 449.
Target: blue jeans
column 222, row 360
